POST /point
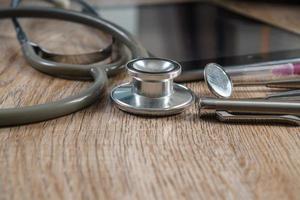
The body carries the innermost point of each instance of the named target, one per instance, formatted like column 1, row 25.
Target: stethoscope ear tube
column 42, row 112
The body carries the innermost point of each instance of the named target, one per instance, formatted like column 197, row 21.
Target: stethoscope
column 151, row 92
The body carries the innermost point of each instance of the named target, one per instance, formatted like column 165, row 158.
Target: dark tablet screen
column 197, row 33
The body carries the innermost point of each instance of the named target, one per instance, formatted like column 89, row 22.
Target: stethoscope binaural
column 152, row 91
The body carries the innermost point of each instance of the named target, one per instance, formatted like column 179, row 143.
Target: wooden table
column 103, row 153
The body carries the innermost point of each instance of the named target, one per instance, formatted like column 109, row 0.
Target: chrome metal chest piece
column 152, row 90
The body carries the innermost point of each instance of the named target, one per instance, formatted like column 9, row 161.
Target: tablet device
column 197, row 33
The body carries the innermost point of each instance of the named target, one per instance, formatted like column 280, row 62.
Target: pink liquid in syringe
column 287, row 69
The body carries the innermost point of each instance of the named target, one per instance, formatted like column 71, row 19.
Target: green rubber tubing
column 42, row 112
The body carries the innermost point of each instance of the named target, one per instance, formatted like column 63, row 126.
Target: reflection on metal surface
column 217, row 80
column 152, row 91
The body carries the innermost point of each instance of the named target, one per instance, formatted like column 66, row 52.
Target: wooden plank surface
column 103, row 153
column 281, row 15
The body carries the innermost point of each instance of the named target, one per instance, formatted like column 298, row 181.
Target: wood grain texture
column 281, row 15
column 103, row 153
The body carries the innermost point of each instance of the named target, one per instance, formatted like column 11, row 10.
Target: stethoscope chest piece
column 152, row 90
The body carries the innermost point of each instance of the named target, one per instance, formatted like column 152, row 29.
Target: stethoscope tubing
column 35, row 54
column 41, row 112
column 71, row 71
